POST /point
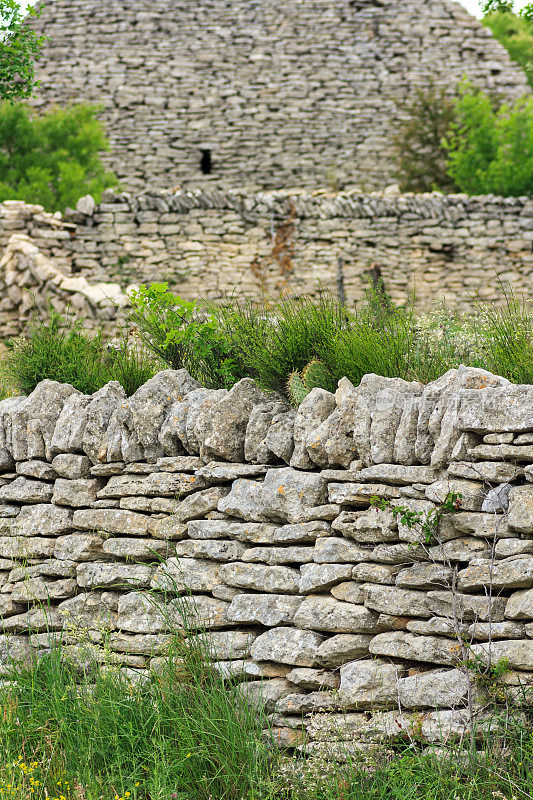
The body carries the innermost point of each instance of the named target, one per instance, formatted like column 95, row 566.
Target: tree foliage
column 19, row 47
column 513, row 31
column 490, row 151
column 52, row 159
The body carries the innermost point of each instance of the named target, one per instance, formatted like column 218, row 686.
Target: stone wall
column 285, row 93
column 340, row 616
column 206, row 243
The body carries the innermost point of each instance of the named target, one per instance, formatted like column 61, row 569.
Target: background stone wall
column 323, row 605
column 205, row 243
column 285, row 93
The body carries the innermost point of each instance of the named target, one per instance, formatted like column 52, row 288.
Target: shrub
column 491, row 152
column 59, row 349
column 506, row 338
column 183, row 336
column 52, row 159
column 421, row 159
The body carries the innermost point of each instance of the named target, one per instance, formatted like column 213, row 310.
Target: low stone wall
column 345, row 620
column 210, row 242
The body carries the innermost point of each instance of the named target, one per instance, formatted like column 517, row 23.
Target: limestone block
column 36, row 469
column 472, row 493
column 369, row 684
column 520, row 605
column 518, row 653
column 312, row 411
column 79, row 547
column 343, row 647
column 22, row 547
column 76, row 493
column 371, row 526
column 497, row 409
column 226, row 421
column 275, row 556
column 278, row 580
column 34, row 420
column 15, row 650
column 332, row 443
column 431, row 649
column 308, row 703
column 264, row 609
column 111, row 576
column 313, row 680
column 26, row 490
column 157, row 484
column 97, row 415
column 266, row 694
column 256, row 449
column 37, row 590
column 42, row 520
column 520, row 509
column 404, row 602
column 511, row 573
column 286, row 495
column 220, row 472
column 178, row 575
column 360, row 494
column 214, row 549
column 197, row 505
column 334, row 550
column 111, row 520
column 349, row 592
column 466, row 606
column 435, row 689
column 287, row 646
column 322, row 613
column 69, row 465
column 318, row 577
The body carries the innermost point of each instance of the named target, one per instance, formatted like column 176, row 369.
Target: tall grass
column 58, row 348
column 184, row 734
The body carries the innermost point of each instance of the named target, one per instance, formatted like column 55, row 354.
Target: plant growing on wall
column 52, row 159
column 19, row 47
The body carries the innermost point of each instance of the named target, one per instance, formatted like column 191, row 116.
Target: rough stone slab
column 431, row 649
column 424, row 576
column 285, row 495
column 404, row 602
column 178, row 575
column 322, row 613
column 313, row 680
column 264, row 609
column 287, row 646
column 22, row 547
column 397, row 474
column 26, row 490
column 197, row 505
column 111, row 576
column 141, row 613
column 112, row 521
column 76, row 493
column 42, row 520
column 343, row 647
column 466, row 606
column 179, row 464
column 435, row 689
column 279, row 580
column 349, row 592
column 497, row 409
column 519, row 654
column 79, row 547
column 259, row 533
column 41, row 470
column 334, row 550
column 214, row 549
column 472, row 493
column 220, row 471
column 360, row 494
column 520, row 605
column 512, row 573
column 520, row 509
column 501, row 452
column 138, row 549
column 275, row 556
column 371, row 526
column 318, row 577
column 70, row 465
column 37, row 590
column 493, row 471
column 489, row 526
column 165, row 484
column 462, row 549
column 369, row 684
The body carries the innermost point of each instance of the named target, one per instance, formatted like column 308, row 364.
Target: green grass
column 58, row 348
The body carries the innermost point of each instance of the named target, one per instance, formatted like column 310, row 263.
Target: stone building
column 259, row 94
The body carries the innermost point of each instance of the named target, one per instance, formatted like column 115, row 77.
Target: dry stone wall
column 340, row 618
column 210, row 242
column 285, row 93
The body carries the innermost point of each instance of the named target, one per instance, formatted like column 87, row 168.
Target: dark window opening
column 206, row 164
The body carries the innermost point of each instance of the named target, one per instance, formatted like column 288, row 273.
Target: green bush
column 59, row 349
column 491, row 152
column 515, row 33
column 183, row 336
column 52, row 159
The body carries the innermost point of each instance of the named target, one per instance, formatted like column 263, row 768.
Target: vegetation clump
column 52, row 159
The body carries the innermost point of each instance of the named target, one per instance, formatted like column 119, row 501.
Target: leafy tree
column 513, row 31
column 19, row 47
column 52, row 159
column 421, row 159
column 491, row 151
